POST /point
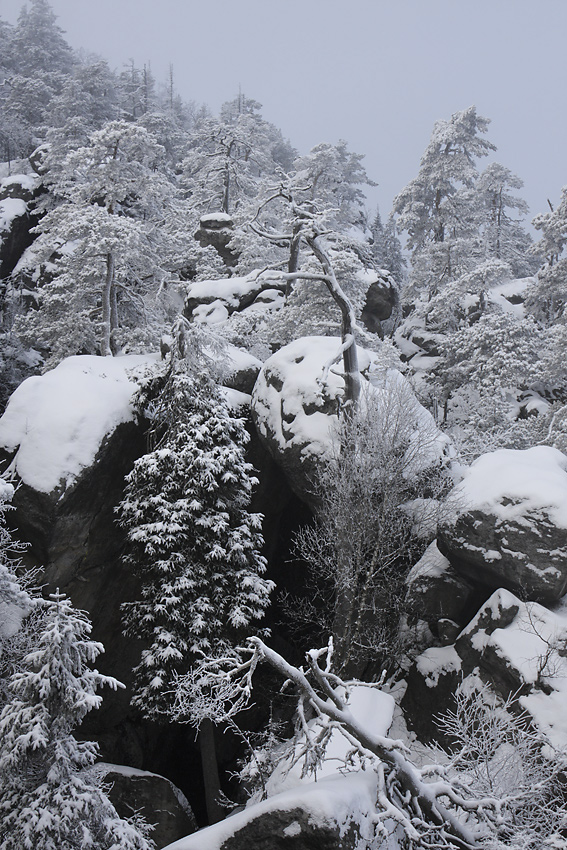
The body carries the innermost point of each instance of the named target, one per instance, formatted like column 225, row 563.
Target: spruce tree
column 193, row 540
column 48, row 799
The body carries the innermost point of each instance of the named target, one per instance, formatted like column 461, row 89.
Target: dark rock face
column 435, row 590
column 155, row 798
column 515, row 648
column 430, row 694
column 381, row 300
column 289, row 830
column 528, row 558
column 75, row 539
column 17, row 237
column 217, row 231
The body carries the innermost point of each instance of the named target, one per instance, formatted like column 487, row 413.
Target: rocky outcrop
column 216, row 230
column 213, row 301
column 289, row 830
column 382, row 300
column 152, row 796
column 435, row 591
column 516, row 648
column 17, row 202
column 296, row 401
column 510, row 523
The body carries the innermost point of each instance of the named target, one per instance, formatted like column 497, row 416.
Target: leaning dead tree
column 305, row 228
column 429, row 806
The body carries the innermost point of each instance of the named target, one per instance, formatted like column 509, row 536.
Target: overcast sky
column 377, row 73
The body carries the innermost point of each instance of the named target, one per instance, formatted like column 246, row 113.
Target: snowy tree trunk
column 350, row 354
column 210, row 769
column 105, row 349
column 113, row 320
column 293, row 262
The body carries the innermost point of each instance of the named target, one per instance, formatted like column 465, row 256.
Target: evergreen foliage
column 48, row 800
column 193, row 539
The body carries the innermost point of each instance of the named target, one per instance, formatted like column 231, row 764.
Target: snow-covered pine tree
column 16, row 631
column 48, row 799
column 193, row 539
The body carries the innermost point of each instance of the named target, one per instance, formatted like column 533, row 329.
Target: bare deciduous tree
column 495, row 792
column 378, row 503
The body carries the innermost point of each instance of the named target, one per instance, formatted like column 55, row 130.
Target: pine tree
column 48, row 800
column 103, row 244
column 193, row 540
column 436, row 208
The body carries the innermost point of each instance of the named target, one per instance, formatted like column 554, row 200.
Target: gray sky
column 377, row 73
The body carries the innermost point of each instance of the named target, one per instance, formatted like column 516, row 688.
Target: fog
column 374, row 72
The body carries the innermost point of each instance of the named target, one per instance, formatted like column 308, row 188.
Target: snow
column 332, row 798
column 213, row 217
column 235, row 399
column 437, row 661
column 6, row 491
column 26, row 181
column 55, row 423
column 511, row 289
column 228, row 290
column 293, row 402
column 240, row 360
column 510, row 483
column 11, row 208
column 432, row 564
column 11, row 617
column 211, row 314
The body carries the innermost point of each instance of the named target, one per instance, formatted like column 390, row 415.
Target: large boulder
column 152, row 796
column 296, row 401
column 518, row 649
column 331, row 809
column 69, row 437
column 435, row 592
column 509, row 526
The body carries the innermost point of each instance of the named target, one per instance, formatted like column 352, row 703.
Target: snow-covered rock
column 17, row 196
column 216, row 230
column 55, row 423
column 152, row 796
column 242, row 370
column 510, row 522
column 335, row 811
column 435, row 591
column 516, row 648
column 213, row 301
column 381, row 300
column 295, row 408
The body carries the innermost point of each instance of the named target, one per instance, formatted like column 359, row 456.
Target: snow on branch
column 432, row 814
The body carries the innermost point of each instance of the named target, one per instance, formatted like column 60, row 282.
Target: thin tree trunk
column 293, row 262
column 106, row 306
column 210, row 769
column 113, row 320
column 350, row 354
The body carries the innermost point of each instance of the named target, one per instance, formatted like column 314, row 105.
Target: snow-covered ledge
column 55, row 423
